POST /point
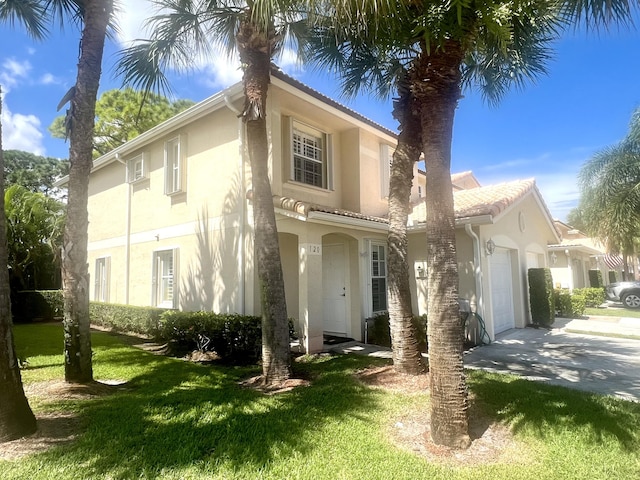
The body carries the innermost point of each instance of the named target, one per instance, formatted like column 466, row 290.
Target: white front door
column 334, row 289
column 501, row 291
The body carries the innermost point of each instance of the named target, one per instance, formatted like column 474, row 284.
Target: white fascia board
column 189, row 115
column 460, row 222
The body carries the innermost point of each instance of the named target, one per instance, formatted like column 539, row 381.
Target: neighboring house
column 171, row 223
column 572, row 258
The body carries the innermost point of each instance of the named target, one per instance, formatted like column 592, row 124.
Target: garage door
column 501, row 291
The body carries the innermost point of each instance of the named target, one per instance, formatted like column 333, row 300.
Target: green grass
column 613, row 312
column 176, row 420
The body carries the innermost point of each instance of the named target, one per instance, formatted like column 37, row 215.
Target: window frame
column 386, row 158
column 373, row 276
column 325, row 146
column 131, row 168
column 174, row 165
column 159, row 288
column 102, row 279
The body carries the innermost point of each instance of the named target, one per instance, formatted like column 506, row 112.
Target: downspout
column 242, row 203
column 477, row 269
column 127, row 245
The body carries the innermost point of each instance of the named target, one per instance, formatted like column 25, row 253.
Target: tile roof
column 305, row 208
column 490, row 200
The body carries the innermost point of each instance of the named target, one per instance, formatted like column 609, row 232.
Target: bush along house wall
column 541, row 296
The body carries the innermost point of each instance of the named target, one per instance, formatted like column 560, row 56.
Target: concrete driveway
column 610, row 366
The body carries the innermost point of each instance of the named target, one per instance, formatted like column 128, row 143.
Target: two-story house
column 171, row 224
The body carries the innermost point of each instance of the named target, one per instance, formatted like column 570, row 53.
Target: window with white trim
column 174, row 151
column 310, row 155
column 386, row 158
column 137, row 168
column 165, row 263
column 102, row 274
column 378, row 278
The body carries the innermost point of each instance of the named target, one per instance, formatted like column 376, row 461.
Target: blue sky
column 547, row 131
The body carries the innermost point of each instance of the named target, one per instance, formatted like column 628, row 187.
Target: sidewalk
column 605, row 326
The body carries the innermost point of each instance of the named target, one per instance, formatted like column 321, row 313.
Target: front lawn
column 613, row 312
column 170, row 419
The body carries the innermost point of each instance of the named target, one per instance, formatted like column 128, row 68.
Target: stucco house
column 576, row 254
column 171, row 224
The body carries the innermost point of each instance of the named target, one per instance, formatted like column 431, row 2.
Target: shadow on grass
column 547, row 410
column 178, row 414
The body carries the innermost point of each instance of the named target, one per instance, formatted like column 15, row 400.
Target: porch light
column 490, row 246
column 420, row 271
column 554, row 258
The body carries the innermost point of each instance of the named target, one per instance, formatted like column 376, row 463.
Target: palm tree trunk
column 75, row 274
column 255, row 50
column 16, row 417
column 405, row 346
column 436, row 87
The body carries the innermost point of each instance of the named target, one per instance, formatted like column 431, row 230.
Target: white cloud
column 49, row 79
column 12, row 72
column 21, row 132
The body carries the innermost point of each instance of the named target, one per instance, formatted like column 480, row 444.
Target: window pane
column 379, row 294
column 308, row 159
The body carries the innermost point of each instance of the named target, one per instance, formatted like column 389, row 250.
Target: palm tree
column 370, row 59
column 95, row 16
column 16, row 417
column 185, row 29
column 492, row 45
column 610, row 195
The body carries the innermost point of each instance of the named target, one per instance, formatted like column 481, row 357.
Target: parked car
column 626, row 292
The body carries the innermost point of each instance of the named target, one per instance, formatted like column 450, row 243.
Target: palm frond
column 30, row 13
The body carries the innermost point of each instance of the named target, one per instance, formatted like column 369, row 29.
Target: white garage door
column 501, row 291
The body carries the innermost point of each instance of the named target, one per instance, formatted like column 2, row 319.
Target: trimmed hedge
column 37, row 305
column 595, row 279
column 234, row 338
column 570, row 305
column 593, row 297
column 126, row 318
column 541, row 296
column 379, row 333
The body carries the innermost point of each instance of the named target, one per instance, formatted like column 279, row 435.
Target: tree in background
column 122, row 115
column 34, row 172
column 35, row 224
column 610, row 195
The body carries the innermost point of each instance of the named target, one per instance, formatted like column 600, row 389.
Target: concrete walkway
column 564, row 355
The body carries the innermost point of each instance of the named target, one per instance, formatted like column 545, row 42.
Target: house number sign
column 312, row 248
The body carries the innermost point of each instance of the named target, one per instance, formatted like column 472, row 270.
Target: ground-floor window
column 164, row 275
column 378, row 278
column 101, row 291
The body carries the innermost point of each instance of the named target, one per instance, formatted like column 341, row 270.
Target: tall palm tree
column 16, row 416
column 255, row 29
column 610, row 194
column 371, row 58
column 95, row 16
column 490, row 44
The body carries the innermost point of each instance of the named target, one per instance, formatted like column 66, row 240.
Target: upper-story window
column 309, row 155
column 174, row 153
column 386, row 158
column 137, row 168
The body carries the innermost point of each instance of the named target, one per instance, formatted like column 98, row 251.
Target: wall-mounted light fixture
column 420, row 271
column 490, row 246
column 554, row 258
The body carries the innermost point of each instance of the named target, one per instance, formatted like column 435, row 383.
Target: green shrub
column 595, row 279
column 126, row 318
column 593, row 297
column 378, row 330
column 570, row 305
column 235, row 338
column 37, row 305
column 541, row 296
